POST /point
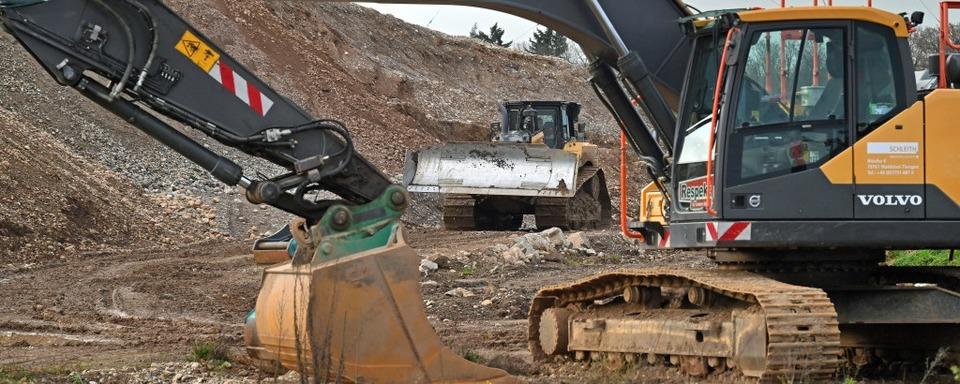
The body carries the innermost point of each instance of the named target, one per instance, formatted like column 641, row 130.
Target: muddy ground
column 102, row 312
column 136, row 316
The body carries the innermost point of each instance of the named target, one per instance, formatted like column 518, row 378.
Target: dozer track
column 588, row 209
column 766, row 330
column 459, row 212
column 465, row 213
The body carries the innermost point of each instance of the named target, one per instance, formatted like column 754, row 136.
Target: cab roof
column 867, row 14
column 536, row 102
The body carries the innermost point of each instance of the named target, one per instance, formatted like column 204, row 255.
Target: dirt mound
column 53, row 202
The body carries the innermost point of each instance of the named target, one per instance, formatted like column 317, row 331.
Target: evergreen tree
column 494, row 37
column 547, row 42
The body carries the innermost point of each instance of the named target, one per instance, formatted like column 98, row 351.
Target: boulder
column 578, row 240
column 460, row 292
column 426, row 266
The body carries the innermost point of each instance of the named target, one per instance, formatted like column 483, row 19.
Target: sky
column 456, row 20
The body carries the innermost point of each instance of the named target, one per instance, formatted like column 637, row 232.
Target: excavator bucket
column 507, row 169
column 357, row 316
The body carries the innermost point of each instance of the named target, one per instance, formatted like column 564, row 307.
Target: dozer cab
column 539, row 163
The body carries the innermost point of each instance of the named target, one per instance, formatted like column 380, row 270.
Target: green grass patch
column 923, row 258
column 472, row 356
column 214, row 355
column 468, row 270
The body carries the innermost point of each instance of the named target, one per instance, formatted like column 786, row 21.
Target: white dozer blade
column 506, row 169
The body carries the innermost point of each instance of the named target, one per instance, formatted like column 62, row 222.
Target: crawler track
column 803, row 342
column 459, row 213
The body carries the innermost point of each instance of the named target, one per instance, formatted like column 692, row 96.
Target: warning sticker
column 197, row 51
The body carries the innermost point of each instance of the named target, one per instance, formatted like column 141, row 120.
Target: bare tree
column 925, row 42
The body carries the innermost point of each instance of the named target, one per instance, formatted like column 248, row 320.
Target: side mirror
column 582, row 131
column 916, row 18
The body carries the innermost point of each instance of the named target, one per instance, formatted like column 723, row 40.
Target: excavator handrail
column 945, row 40
column 624, row 187
column 717, row 93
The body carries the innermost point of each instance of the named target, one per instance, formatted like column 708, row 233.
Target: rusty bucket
column 359, row 318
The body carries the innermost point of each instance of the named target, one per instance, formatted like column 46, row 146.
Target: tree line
column 545, row 42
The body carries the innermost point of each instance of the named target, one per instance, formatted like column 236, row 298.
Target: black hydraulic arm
column 140, row 60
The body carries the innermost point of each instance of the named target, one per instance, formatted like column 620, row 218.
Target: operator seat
column 831, row 102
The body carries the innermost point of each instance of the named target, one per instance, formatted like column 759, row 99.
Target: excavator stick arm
column 134, row 57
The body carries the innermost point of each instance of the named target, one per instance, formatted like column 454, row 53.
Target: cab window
column 691, row 169
column 877, row 96
column 791, row 110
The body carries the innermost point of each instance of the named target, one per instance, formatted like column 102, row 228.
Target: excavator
column 539, row 163
column 790, row 145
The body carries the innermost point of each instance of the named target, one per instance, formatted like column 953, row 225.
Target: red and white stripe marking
column 664, row 240
column 729, row 231
column 247, row 92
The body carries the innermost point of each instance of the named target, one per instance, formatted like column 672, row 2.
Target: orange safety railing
column 624, row 226
column 713, row 120
column 945, row 40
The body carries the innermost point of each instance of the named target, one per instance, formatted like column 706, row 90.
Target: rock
column 429, row 283
column 578, row 240
column 486, row 302
column 460, row 292
column 426, row 266
column 441, row 260
column 499, row 248
column 555, row 236
column 517, row 255
column 533, row 242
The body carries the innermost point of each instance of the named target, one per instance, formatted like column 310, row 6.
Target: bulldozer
column 539, row 163
column 791, row 145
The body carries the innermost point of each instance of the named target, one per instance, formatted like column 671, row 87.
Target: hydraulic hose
column 153, row 47
column 131, row 47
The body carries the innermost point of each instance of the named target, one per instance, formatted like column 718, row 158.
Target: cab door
column 888, row 155
column 788, row 118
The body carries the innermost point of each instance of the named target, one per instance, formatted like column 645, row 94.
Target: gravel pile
column 54, row 204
